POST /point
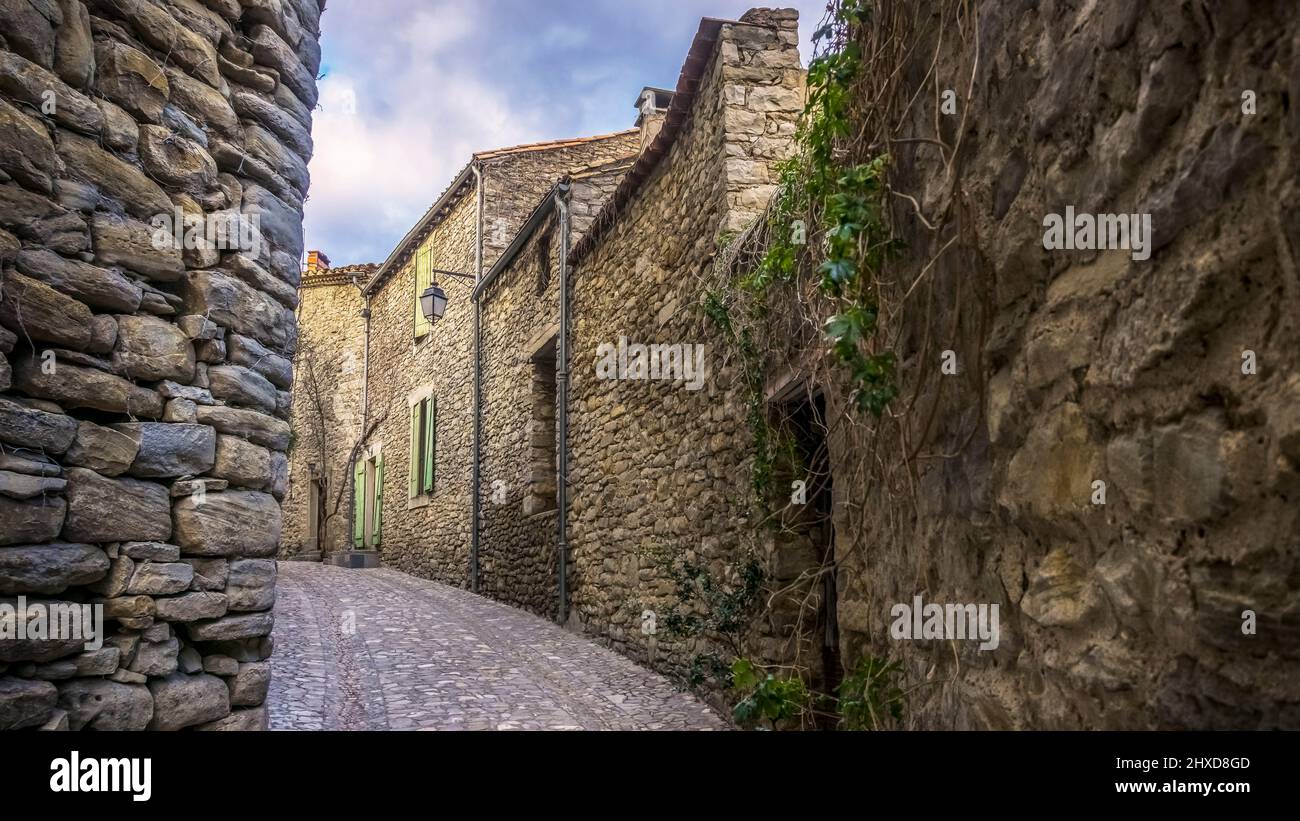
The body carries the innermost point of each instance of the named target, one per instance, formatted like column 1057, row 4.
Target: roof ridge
column 560, row 143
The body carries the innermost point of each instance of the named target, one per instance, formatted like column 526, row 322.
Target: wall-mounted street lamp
column 433, row 302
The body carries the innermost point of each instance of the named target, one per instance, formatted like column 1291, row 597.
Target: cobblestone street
column 381, row 650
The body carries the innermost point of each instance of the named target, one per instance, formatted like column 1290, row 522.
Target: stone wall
column 518, row 555
column 329, row 376
column 1077, row 367
column 429, row 535
column 144, row 385
column 655, row 466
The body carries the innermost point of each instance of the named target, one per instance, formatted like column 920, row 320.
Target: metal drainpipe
column 562, row 401
column 476, row 505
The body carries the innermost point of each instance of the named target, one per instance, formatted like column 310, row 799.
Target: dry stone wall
column 1077, row 367
column 144, row 383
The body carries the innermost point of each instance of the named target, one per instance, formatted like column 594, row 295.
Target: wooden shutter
column 430, row 441
column 415, row 467
column 422, row 279
column 376, row 529
column 359, row 504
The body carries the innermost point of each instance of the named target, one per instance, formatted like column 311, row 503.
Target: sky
column 411, row 88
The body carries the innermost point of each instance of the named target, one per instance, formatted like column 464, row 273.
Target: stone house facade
column 152, row 174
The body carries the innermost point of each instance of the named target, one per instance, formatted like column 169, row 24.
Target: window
column 423, row 278
column 542, row 482
column 543, row 263
column 368, row 499
column 424, row 444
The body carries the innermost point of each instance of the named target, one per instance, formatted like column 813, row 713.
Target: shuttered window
column 359, row 504
column 423, row 277
column 424, row 446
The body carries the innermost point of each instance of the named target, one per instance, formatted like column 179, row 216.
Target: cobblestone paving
column 381, row 650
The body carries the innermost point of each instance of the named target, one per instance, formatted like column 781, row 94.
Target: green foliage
column 870, row 694
column 764, row 697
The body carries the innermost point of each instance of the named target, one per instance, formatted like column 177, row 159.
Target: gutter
column 477, row 480
column 562, row 405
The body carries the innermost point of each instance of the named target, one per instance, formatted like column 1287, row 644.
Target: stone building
column 328, row 405
column 152, row 174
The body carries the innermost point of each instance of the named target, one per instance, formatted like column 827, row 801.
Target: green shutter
column 379, row 500
column 430, row 441
column 422, row 279
column 413, row 488
column 359, row 504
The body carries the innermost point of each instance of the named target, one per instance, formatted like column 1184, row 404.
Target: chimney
column 317, row 263
column 653, row 107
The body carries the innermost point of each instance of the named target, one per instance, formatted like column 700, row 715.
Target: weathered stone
column 97, row 704
column 233, row 304
column 263, row 80
column 175, row 161
column 209, row 574
column 288, row 128
column 186, row 393
column 242, row 463
column 180, row 410
column 86, row 161
column 1186, row 458
column 120, row 131
column 115, row 510
column 156, row 658
column 204, row 103
column 159, row 29
column 35, row 311
column 248, row 687
column 76, row 387
column 151, row 551
column 122, row 608
column 192, row 606
column 256, row 427
column 182, row 701
column 115, row 581
column 279, row 223
column 103, row 450
column 74, row 49
column 168, row 450
column 25, row 703
column 26, row 82
column 160, row 579
column 29, row 29
column 233, row 523
column 129, row 243
column 32, row 520
column 129, row 78
column 197, row 487
column 49, row 568
column 152, row 349
column 254, row 355
column 19, row 460
column 101, row 662
column 259, row 278
column 228, row 628
column 247, row 720
column 26, row 152
column 188, row 661
column 29, row 427
column 103, row 289
column 219, row 665
column 40, row 221
column 251, row 585
column 24, row 486
column 1059, row 594
column 237, row 385
column 264, row 145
